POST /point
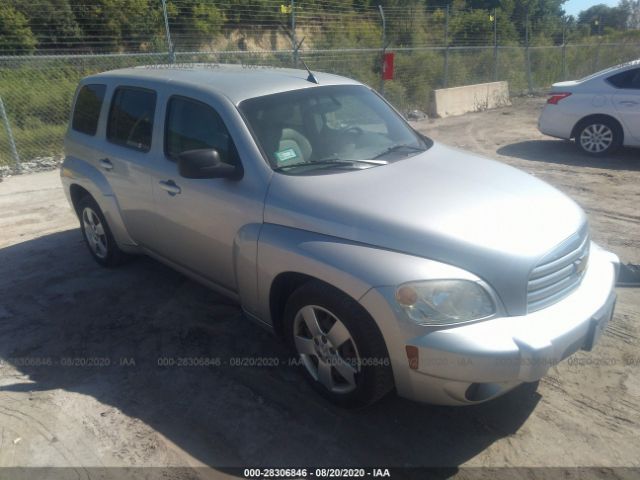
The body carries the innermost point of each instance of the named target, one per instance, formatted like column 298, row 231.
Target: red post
column 387, row 66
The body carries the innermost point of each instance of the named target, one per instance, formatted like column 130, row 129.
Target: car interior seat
column 283, row 144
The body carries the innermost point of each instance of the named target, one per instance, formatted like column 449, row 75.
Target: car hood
column 444, row 204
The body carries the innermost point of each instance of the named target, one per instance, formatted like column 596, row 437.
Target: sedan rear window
column 87, row 109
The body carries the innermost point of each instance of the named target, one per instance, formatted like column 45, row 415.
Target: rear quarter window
column 131, row 118
column 629, row 79
column 87, row 109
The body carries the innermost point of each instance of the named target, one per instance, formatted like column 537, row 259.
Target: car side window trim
column 173, row 158
column 114, row 97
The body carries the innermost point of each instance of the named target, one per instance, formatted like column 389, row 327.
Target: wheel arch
column 77, row 193
column 80, row 178
column 288, row 257
column 282, row 287
column 595, row 117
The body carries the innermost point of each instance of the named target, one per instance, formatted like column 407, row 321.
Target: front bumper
column 475, row 362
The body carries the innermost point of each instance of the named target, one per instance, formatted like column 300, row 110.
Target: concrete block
column 470, row 98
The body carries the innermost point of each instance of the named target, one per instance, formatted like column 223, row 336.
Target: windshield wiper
column 353, row 160
column 331, row 161
column 400, row 146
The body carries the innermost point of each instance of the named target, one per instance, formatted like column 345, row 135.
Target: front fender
column 352, row 267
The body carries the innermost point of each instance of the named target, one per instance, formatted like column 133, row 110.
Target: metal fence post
column 445, row 79
column 495, row 44
column 170, row 46
column 293, row 34
column 7, row 127
column 384, row 48
column 564, row 48
column 596, row 66
column 528, row 54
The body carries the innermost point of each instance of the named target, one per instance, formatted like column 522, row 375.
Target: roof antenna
column 311, row 78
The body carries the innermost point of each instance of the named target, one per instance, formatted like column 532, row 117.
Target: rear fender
column 79, row 172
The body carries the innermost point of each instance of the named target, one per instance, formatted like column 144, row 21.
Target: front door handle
column 106, row 164
column 170, row 186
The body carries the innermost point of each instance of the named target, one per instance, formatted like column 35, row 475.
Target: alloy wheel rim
column 327, row 349
column 94, row 233
column 596, row 138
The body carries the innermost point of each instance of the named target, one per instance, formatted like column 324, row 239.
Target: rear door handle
column 628, row 103
column 106, row 164
column 171, row 187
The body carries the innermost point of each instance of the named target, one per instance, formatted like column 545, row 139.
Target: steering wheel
column 353, row 129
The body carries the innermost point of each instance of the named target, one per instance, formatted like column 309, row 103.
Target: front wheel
column 339, row 346
column 598, row 137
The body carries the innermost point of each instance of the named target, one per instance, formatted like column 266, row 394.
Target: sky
column 574, row 7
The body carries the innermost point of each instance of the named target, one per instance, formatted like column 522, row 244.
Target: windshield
column 328, row 129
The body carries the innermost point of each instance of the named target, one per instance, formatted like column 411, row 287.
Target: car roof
column 612, row 70
column 236, row 82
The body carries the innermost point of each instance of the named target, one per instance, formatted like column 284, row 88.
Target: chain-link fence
column 433, row 48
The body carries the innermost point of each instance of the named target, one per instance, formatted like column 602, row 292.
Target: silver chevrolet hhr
column 385, row 260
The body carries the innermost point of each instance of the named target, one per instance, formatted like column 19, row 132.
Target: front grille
column 558, row 273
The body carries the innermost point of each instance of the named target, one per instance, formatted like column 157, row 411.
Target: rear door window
column 131, row 118
column 87, row 109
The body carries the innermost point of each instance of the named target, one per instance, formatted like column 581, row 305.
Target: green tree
column 601, row 16
column 15, row 35
column 475, row 27
column 633, row 7
column 51, row 21
column 112, row 25
column 194, row 23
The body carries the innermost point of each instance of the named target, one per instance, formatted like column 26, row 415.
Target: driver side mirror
column 206, row 163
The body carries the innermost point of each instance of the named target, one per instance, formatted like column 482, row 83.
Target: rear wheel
column 598, row 137
column 339, row 346
column 97, row 234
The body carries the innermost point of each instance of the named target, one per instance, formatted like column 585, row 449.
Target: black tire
column 374, row 377
column 603, row 129
column 112, row 255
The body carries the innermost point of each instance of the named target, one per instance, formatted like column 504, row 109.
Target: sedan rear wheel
column 598, row 137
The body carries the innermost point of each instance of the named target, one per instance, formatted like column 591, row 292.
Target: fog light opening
column 479, row 392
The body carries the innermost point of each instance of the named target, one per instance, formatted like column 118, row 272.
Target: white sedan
column 601, row 111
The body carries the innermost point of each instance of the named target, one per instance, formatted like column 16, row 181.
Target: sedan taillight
column 556, row 97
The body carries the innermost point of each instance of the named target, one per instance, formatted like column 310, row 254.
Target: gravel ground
column 58, row 310
column 40, row 164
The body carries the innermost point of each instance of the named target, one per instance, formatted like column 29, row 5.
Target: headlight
column 442, row 302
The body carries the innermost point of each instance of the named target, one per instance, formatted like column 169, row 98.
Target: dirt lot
column 57, row 307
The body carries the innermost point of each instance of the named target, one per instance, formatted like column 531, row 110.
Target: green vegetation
column 437, row 43
column 15, row 34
